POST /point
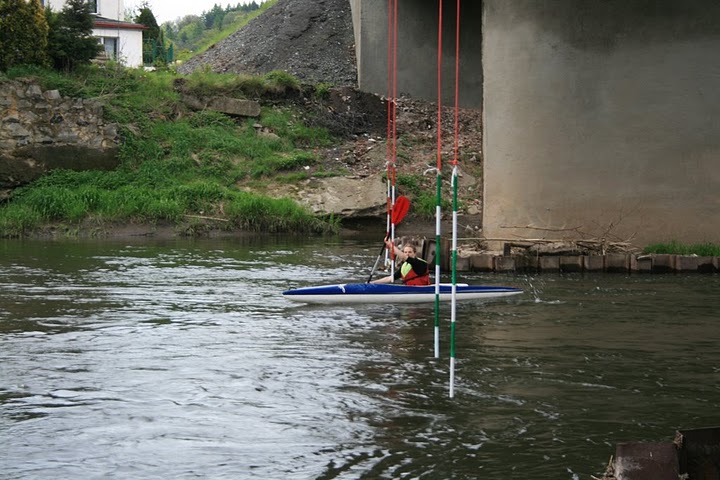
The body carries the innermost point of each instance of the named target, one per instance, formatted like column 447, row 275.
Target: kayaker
column 412, row 270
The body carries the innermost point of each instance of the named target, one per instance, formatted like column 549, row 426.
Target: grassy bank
column 191, row 169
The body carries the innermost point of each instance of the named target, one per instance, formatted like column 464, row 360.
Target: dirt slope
column 313, row 40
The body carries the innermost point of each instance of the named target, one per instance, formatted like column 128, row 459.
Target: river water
column 181, row 359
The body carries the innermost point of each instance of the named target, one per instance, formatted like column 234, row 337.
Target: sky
column 170, row 10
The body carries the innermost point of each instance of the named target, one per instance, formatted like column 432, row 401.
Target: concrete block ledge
column 611, row 263
column 471, row 261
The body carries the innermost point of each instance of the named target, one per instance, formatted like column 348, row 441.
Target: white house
column 122, row 40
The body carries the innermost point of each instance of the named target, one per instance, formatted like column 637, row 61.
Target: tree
column 70, row 42
column 214, row 18
column 154, row 50
column 40, row 31
column 23, row 33
column 146, row 17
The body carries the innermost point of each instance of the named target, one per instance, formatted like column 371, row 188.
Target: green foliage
column 322, row 90
column 412, row 183
column 49, row 79
column 210, row 118
column 270, row 165
column 258, row 213
column 70, row 40
column 279, row 81
column 214, row 18
column 172, row 166
column 23, row 33
column 18, row 221
column 155, row 50
column 677, row 248
column 203, row 84
column 292, row 178
column 145, row 17
column 285, row 124
column 54, row 203
column 425, row 204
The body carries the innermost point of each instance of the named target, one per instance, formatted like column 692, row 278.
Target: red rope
column 439, row 88
column 394, row 110
column 457, row 78
column 391, row 152
column 388, row 152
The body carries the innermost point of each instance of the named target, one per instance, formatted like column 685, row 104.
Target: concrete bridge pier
column 417, row 49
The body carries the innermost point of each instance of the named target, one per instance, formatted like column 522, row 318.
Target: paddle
column 399, row 210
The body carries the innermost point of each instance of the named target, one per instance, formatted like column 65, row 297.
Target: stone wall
column 42, row 130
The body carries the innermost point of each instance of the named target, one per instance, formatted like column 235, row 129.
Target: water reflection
column 180, row 358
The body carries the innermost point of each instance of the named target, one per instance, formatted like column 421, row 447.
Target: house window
column 110, row 46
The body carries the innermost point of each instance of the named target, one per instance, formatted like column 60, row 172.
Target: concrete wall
column 417, row 49
column 602, row 118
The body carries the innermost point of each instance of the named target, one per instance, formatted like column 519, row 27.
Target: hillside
column 310, row 39
column 313, row 40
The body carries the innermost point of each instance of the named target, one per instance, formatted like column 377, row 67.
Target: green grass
column 676, row 248
column 175, row 163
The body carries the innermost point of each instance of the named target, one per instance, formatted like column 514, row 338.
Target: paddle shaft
column 400, row 209
column 377, row 260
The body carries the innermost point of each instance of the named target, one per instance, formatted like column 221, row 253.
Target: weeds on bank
column 175, row 163
column 676, row 248
column 424, row 202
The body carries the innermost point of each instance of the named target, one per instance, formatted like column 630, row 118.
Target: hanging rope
column 391, row 151
column 438, row 183
column 453, row 308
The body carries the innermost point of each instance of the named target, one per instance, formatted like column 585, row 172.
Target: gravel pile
column 310, row 39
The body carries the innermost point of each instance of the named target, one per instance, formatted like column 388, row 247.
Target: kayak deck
column 387, row 293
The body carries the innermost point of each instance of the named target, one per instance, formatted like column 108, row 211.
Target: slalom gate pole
column 438, row 189
column 393, row 116
column 390, row 153
column 453, row 308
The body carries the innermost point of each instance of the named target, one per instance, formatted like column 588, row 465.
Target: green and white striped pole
column 454, row 181
column 453, row 307
column 438, row 191
column 438, row 214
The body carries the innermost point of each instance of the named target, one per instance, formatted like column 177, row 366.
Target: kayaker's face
column 408, row 251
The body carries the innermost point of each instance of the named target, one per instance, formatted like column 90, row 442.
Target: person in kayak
column 412, row 270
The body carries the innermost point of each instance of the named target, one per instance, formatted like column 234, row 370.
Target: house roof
column 102, row 22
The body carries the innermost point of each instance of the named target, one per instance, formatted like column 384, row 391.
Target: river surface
column 151, row 359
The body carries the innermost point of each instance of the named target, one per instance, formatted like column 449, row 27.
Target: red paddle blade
column 400, row 209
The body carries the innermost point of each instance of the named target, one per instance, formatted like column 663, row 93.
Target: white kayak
column 388, row 293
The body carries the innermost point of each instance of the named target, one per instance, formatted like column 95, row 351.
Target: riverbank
column 421, row 231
